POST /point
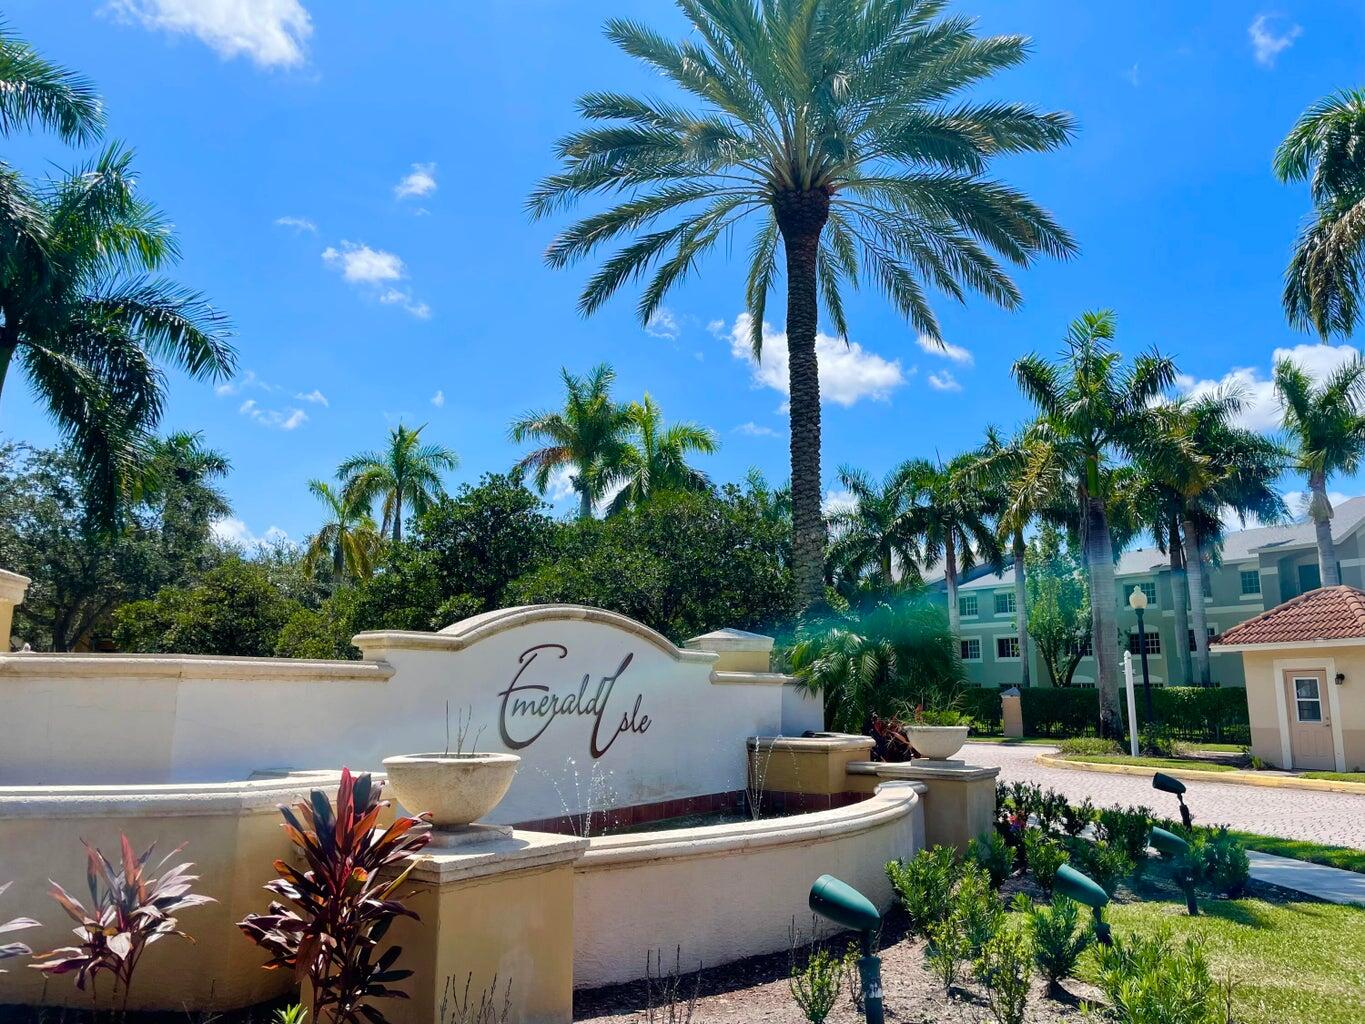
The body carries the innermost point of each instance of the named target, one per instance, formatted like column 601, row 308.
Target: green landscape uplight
column 1085, row 891
column 1177, row 851
column 1169, row 784
column 844, row 905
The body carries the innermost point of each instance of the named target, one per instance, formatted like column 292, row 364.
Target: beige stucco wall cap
column 1300, row 645
column 31, row 664
column 825, row 741
column 724, row 641
column 725, row 677
column 13, row 586
column 923, row 770
column 459, row 635
column 174, row 799
column 520, row 851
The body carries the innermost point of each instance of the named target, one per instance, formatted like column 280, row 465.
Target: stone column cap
column 13, row 586
column 730, row 639
column 1013, row 691
column 519, row 851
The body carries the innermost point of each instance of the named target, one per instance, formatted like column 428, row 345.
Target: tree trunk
column 1021, row 607
column 1320, row 509
column 1198, row 617
column 801, row 216
column 6, row 357
column 950, row 578
column 398, row 516
column 1180, row 608
column 584, row 503
column 1099, row 563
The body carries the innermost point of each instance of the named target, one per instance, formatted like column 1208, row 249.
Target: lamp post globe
column 1137, row 601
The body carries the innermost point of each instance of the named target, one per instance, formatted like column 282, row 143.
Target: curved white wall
column 726, row 892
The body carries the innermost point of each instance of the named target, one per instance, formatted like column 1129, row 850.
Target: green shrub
column 1196, row 714
column 992, row 854
column 1005, row 968
column 977, row 908
column 1023, row 797
column 815, row 985
column 1075, row 817
column 947, row 950
column 1158, row 740
column 925, row 885
column 1044, row 856
column 1057, row 942
column 1050, row 810
column 1104, row 862
column 1150, row 981
column 1219, row 862
column 1127, row 828
column 983, row 705
column 1089, row 746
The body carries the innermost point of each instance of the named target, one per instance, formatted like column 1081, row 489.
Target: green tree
column 234, row 609
column 654, row 460
column 34, row 91
column 1059, row 605
column 407, row 472
column 1326, row 147
column 86, row 320
column 842, row 129
column 348, row 540
column 1327, row 433
column 1092, row 408
column 870, row 541
column 588, row 437
column 949, row 516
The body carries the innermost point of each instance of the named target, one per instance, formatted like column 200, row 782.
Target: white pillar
column 12, row 590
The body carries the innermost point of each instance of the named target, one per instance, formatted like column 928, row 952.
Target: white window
column 1007, row 648
column 1307, row 699
column 966, row 605
column 1152, row 641
column 1150, row 590
column 971, row 649
column 1251, row 581
column 1004, row 603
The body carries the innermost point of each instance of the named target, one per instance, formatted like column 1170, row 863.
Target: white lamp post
column 1137, row 601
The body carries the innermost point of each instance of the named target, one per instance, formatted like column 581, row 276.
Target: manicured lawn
column 1291, row 962
column 1317, row 853
column 1336, row 776
column 1014, row 741
column 1218, row 748
column 1152, row 762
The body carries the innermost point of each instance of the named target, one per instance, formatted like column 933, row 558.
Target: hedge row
column 983, row 704
column 1194, row 714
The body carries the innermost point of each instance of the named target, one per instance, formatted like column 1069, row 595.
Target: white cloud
column 315, row 396
column 947, row 350
column 1133, row 77
column 752, row 429
column 560, row 485
column 273, row 33
column 848, row 372
column 837, row 501
column 360, row 264
column 1298, row 501
column 277, row 419
column 943, row 380
column 247, row 381
column 420, row 181
column 396, row 297
column 297, row 223
column 439, row 399
column 231, row 530
column 1266, row 43
column 1261, row 410
column 663, row 324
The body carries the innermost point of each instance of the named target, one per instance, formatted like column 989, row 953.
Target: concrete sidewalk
column 1334, row 885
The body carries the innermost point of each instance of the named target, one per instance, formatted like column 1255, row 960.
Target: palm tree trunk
column 1199, row 618
column 1180, row 607
column 1320, row 508
column 398, row 515
column 6, row 357
column 1099, row 564
column 584, row 503
column 950, row 578
column 1021, row 607
column 801, row 216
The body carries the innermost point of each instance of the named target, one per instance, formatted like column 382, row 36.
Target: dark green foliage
column 1089, row 746
column 1193, row 714
column 1075, row 817
column 1126, row 828
column 1004, row 967
column 982, row 704
column 1058, row 942
column 925, row 885
column 977, row 908
column 681, row 563
column 234, row 609
column 992, row 854
column 315, row 633
column 1104, row 862
column 1219, row 862
column 1044, row 856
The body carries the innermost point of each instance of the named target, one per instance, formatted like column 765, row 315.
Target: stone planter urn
column 937, row 742
column 457, row 789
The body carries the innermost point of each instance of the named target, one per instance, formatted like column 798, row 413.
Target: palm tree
column 655, row 458
column 35, row 91
column 835, row 125
column 870, row 536
column 588, row 437
column 1091, row 410
column 1327, row 431
column 1326, row 147
column 85, row 321
column 406, row 472
column 349, row 539
column 949, row 516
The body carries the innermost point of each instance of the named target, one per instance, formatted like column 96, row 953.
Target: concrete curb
column 1236, row 778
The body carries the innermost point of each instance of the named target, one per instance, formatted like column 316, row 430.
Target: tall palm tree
column 1091, row 408
column 842, row 129
column 870, row 537
column 654, row 460
column 588, row 437
column 84, row 319
column 407, row 472
column 949, row 515
column 1326, row 147
column 348, row 539
column 35, row 91
column 1327, row 433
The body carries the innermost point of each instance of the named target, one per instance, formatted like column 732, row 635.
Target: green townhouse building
column 1258, row 569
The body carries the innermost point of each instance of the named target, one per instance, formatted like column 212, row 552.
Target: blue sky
column 347, row 181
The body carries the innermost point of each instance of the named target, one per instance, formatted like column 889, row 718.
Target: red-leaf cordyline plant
column 344, row 903
column 130, row 908
column 10, row 950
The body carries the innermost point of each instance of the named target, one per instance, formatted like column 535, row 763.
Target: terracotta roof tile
column 1329, row 613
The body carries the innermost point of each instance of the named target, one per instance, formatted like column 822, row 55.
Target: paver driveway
column 1335, row 818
